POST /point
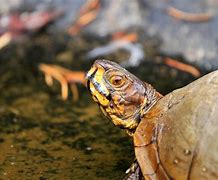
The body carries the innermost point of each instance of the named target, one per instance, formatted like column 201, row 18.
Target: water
column 44, row 137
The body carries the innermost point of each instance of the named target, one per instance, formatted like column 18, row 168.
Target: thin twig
column 191, row 17
column 87, row 14
column 182, row 66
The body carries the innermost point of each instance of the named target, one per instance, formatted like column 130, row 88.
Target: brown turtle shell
column 178, row 137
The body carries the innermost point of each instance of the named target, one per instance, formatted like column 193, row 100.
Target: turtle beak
column 96, row 84
column 90, row 75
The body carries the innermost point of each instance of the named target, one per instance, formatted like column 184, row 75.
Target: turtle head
column 121, row 96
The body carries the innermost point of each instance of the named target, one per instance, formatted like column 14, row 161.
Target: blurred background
column 57, row 132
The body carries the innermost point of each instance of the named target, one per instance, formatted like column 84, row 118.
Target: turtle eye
column 117, row 81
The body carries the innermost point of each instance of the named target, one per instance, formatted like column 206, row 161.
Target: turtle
column 174, row 136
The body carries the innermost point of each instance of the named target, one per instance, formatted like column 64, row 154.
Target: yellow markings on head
column 98, row 80
column 117, row 121
column 127, row 123
column 98, row 97
column 91, row 71
column 99, row 74
column 92, row 88
column 97, row 85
